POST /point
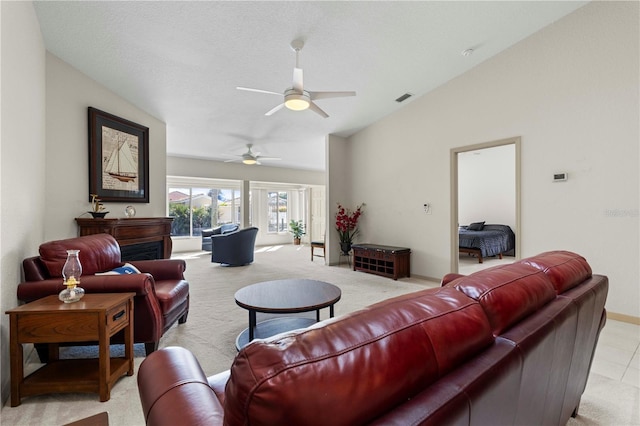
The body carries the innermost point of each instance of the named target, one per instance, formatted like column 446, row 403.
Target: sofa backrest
column 564, row 268
column 507, row 293
column 98, row 253
column 556, row 344
column 354, row 368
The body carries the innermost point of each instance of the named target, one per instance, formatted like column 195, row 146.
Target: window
column 196, row 208
column 277, row 211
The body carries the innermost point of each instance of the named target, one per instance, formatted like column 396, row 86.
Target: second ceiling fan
column 295, row 97
column 250, row 157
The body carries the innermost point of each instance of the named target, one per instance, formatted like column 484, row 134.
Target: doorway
column 461, row 156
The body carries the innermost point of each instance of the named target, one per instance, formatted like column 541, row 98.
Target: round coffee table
column 283, row 297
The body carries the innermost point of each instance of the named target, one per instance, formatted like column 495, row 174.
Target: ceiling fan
column 295, row 97
column 251, row 157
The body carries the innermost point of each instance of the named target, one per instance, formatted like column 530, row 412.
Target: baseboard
column 624, row 318
column 426, row 278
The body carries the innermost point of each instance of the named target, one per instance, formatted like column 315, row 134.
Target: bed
column 484, row 241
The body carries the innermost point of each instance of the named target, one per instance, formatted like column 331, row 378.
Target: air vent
column 404, row 97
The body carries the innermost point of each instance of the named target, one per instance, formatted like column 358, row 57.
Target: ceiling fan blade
column 270, row 158
column 326, row 95
column 274, row 110
column 268, row 92
column 315, row 108
column 232, row 161
column 297, row 79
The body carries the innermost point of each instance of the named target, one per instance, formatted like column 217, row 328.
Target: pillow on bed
column 476, row 226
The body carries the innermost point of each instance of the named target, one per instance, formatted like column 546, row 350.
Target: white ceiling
column 181, row 62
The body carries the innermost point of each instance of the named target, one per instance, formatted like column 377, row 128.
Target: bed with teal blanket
column 485, row 241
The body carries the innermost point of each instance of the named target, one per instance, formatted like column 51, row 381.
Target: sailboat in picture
column 120, row 164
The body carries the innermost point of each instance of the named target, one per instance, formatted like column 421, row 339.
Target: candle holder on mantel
column 71, row 272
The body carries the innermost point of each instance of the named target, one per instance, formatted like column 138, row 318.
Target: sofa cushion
column 564, row 268
column 98, row 253
column 374, row 358
column 507, row 293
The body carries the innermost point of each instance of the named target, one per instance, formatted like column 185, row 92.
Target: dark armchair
column 222, row 229
column 162, row 293
column 235, row 248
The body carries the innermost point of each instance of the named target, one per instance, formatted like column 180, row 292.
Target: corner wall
column 69, row 94
column 338, row 191
column 571, row 92
column 22, row 157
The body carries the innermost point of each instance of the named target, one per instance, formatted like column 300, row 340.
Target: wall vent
column 404, row 97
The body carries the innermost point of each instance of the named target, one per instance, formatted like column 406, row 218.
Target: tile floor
column 618, row 352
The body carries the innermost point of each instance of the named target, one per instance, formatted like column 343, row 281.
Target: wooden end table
column 96, row 317
column 283, row 297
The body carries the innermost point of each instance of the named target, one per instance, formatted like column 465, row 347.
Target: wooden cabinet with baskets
column 387, row 261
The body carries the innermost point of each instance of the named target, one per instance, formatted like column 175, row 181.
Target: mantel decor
column 118, row 158
column 97, row 208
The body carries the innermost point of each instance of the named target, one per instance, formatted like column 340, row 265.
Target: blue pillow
column 126, row 269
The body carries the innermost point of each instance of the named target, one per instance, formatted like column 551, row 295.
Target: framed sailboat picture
column 118, row 158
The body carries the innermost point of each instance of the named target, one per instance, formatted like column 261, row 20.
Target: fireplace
column 141, row 251
column 139, row 238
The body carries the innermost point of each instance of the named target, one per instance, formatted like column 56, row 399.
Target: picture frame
column 118, row 158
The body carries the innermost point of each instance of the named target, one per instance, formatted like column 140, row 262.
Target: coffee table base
column 272, row 327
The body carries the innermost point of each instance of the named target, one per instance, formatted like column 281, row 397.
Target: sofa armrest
column 174, row 390
column 140, row 284
column 162, row 269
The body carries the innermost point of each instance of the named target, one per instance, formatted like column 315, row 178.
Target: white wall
column 69, row 94
column 22, row 156
column 570, row 92
column 487, row 186
column 339, row 191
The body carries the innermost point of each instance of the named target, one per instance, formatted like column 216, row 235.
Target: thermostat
column 560, row 177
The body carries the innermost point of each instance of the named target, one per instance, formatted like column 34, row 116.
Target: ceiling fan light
column 249, row 161
column 296, row 101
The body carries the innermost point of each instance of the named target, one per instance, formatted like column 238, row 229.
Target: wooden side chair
column 317, row 244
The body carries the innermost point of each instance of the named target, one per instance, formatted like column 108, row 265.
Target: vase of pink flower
column 347, row 226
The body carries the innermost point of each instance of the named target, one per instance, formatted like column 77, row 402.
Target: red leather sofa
column 162, row 293
column 510, row 345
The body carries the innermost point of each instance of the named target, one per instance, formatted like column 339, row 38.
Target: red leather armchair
column 162, row 293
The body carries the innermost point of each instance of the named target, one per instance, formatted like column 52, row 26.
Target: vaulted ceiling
column 181, row 62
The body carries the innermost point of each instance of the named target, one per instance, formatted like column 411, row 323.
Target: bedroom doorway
column 485, row 187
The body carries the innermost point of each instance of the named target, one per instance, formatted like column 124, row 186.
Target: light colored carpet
column 215, row 321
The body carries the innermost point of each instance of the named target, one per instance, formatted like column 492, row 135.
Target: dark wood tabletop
column 288, row 296
column 283, row 297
